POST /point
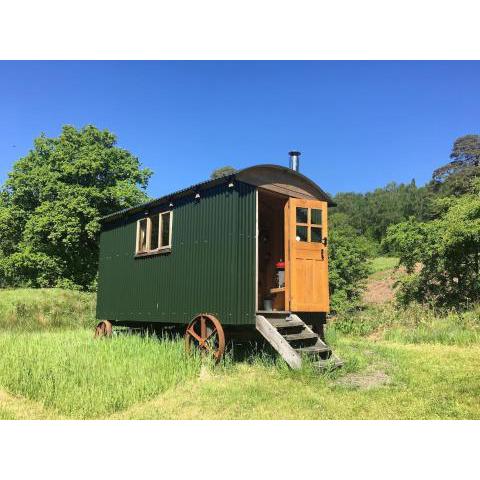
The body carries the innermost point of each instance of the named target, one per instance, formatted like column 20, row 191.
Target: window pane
column 154, row 233
column 316, row 216
column 316, row 234
column 142, row 236
column 165, row 229
column 302, row 215
column 301, row 233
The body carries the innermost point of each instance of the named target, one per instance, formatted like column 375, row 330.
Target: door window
column 309, row 225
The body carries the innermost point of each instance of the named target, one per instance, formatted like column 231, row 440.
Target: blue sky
column 358, row 125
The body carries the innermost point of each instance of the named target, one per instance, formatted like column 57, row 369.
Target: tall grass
column 30, row 309
column 80, row 377
column 414, row 324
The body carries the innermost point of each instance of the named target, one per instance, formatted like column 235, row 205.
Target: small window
column 142, row 236
column 316, row 234
column 166, row 238
column 155, row 230
column 154, row 233
column 316, row 216
column 309, row 225
column 302, row 232
column 302, row 215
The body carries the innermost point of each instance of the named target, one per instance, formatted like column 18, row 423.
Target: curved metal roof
column 240, row 174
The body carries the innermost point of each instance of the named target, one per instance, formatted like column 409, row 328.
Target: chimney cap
column 294, row 153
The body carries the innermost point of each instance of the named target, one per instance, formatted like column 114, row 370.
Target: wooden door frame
column 273, row 194
column 286, row 243
column 307, row 203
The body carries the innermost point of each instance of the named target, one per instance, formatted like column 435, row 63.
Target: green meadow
column 398, row 364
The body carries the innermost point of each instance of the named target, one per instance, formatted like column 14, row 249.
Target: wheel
column 103, row 329
column 205, row 333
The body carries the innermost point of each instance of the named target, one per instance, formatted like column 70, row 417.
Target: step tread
column 332, row 362
column 283, row 323
column 305, row 335
column 314, row 349
column 273, row 312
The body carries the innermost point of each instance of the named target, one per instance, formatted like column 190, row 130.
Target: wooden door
column 306, row 266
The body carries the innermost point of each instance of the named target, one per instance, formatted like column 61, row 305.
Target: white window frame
column 159, row 249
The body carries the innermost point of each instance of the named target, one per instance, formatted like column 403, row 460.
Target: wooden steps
column 283, row 323
column 314, row 349
column 329, row 364
column 293, row 339
column 300, row 336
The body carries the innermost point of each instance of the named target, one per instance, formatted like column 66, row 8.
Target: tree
column 455, row 177
column 222, row 172
column 371, row 213
column 442, row 257
column 52, row 201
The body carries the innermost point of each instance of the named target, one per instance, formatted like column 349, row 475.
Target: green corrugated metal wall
column 211, row 267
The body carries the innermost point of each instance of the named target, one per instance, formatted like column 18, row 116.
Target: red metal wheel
column 103, row 329
column 205, row 333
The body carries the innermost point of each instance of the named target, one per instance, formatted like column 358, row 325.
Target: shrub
column 442, row 257
column 348, row 268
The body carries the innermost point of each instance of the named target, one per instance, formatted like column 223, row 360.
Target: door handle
column 322, row 255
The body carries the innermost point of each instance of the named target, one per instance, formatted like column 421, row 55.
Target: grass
column 27, row 309
column 381, row 267
column 424, row 382
column 414, row 364
column 76, row 376
column 414, row 324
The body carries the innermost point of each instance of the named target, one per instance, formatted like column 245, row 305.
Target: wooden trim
column 160, row 248
column 256, row 249
column 138, row 240
column 286, row 244
column 152, row 253
column 160, row 229
column 282, row 180
column 171, row 229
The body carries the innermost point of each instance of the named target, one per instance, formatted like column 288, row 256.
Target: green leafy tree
column 370, row 214
column 222, row 172
column 442, row 257
column 455, row 177
column 51, row 203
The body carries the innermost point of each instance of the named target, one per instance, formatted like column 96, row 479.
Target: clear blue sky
column 358, row 125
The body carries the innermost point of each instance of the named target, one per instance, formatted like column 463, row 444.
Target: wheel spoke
column 213, row 332
column 192, row 333
column 203, row 328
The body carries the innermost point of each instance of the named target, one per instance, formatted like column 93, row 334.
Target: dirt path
column 20, row 408
column 380, row 291
column 380, row 287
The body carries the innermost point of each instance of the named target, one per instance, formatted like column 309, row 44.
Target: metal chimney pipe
column 295, row 160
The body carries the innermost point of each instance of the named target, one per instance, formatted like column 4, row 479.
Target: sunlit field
column 416, row 365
